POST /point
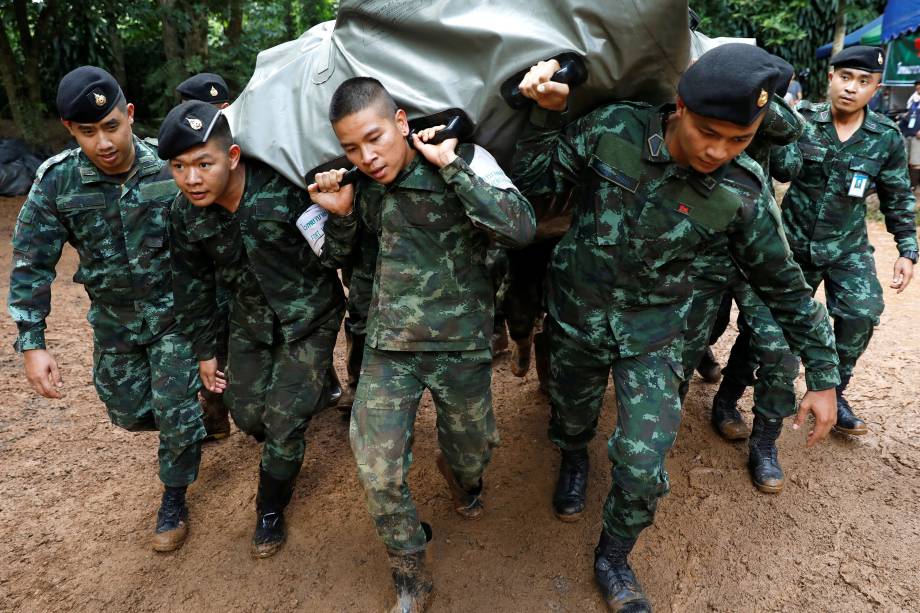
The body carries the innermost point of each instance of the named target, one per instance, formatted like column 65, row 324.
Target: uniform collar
column 653, row 148
column 419, row 174
column 145, row 163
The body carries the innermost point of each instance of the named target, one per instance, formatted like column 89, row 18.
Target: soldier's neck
column 846, row 124
column 233, row 194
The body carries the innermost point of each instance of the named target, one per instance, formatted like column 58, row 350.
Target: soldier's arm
column 38, row 239
column 785, row 162
column 896, row 200
column 762, row 253
column 194, row 288
column 549, row 158
column 341, row 237
column 492, row 203
column 782, row 125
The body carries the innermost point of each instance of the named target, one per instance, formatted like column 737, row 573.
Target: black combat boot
column 847, row 422
column 726, row 419
column 172, row 520
column 615, row 578
column 274, row 495
column 411, row 578
column 520, row 355
column 333, row 389
column 763, row 459
column 569, row 497
column 709, row 368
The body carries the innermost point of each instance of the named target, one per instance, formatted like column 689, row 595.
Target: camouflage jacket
column 258, row 254
column 119, row 232
column 431, row 289
column 623, row 271
column 822, row 221
column 781, row 126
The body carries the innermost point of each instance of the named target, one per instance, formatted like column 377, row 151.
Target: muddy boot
column 726, row 419
column 274, row 495
column 569, row 497
column 615, row 578
column 215, row 415
column 333, row 389
column 411, row 579
column 467, row 503
column 520, row 355
column 763, row 457
column 847, row 422
column 709, row 368
column 172, row 520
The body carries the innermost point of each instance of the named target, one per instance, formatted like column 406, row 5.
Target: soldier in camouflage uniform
column 211, row 88
column 235, row 220
column 433, row 212
column 845, row 148
column 110, row 201
column 713, row 273
column 654, row 187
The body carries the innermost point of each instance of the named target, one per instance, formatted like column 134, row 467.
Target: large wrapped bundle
column 435, row 55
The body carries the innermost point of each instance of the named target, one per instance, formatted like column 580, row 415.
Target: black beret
column 785, row 75
column 87, row 94
column 187, row 125
column 860, row 57
column 205, row 86
column 732, row 82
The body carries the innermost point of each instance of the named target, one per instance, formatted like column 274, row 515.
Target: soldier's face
column 109, row 143
column 707, row 144
column 203, row 172
column 849, row 90
column 375, row 142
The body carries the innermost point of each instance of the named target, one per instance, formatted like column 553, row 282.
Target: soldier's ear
column 234, row 153
column 129, row 111
column 402, row 122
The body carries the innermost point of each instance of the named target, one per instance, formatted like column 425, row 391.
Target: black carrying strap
column 572, row 72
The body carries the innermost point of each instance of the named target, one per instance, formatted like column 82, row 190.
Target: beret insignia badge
column 213, row 91
column 881, row 60
column 763, row 99
column 194, row 123
column 100, row 99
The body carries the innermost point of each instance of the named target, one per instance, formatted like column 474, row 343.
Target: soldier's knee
column 778, row 366
column 642, row 481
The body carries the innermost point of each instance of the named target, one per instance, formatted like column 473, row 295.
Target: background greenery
column 152, row 45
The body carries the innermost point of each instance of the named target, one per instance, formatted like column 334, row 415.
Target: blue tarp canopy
column 853, row 37
column 901, row 17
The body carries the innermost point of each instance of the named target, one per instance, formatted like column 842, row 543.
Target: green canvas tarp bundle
column 435, row 55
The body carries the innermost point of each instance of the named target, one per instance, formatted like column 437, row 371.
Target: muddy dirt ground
column 78, row 500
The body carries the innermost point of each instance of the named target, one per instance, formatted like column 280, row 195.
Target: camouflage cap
column 87, row 94
column 205, row 86
column 732, row 82
column 187, row 125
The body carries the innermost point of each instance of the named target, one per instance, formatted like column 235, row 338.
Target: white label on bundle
column 486, row 168
column 311, row 224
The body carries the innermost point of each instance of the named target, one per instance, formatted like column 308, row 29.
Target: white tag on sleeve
column 311, row 224
column 912, row 122
column 486, row 168
column 858, row 185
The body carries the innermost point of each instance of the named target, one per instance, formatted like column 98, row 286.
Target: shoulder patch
column 52, row 161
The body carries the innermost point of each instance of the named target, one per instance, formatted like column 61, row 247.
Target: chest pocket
column 866, row 166
column 812, row 152
column 85, row 216
column 424, row 203
column 618, row 173
column 156, row 197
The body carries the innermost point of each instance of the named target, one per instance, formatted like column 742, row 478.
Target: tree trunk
column 234, row 27
column 25, row 115
column 171, row 48
column 118, row 52
column 196, row 42
column 840, row 27
column 290, row 32
column 30, row 73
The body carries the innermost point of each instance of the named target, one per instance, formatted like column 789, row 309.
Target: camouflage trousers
column 648, row 417
column 776, row 368
column 854, row 300
column 274, row 390
column 383, row 424
column 154, row 386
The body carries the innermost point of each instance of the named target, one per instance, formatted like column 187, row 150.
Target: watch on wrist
column 910, row 255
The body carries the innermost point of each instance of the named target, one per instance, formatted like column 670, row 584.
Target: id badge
column 858, row 185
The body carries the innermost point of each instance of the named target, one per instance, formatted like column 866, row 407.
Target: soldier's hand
column 213, row 380
column 333, row 197
column 903, row 273
column 537, row 86
column 441, row 154
column 42, row 372
column 823, row 405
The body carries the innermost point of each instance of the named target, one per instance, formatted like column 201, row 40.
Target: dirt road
column 78, row 500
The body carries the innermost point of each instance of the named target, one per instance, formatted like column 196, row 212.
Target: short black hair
column 221, row 133
column 122, row 104
column 358, row 93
